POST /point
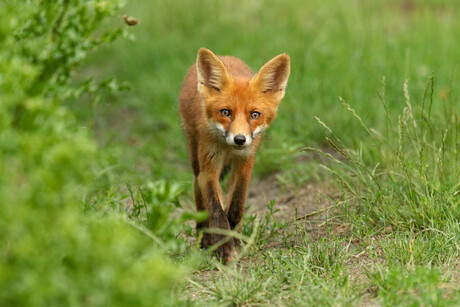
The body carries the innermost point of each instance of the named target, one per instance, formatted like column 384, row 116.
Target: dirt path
column 290, row 200
column 312, row 203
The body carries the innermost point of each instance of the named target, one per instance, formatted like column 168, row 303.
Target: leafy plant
column 52, row 251
column 267, row 228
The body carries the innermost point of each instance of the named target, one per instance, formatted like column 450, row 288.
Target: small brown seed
column 130, row 21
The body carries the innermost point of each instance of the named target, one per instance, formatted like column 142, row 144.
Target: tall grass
column 413, row 181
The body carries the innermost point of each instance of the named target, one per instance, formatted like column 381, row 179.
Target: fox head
column 239, row 108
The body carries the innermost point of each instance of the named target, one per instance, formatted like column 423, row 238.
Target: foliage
column 52, row 252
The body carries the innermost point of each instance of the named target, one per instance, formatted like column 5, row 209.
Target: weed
column 267, row 228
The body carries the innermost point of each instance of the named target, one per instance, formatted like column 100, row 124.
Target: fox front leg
column 217, row 219
column 236, row 194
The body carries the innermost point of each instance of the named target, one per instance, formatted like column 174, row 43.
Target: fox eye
column 225, row 112
column 255, row 115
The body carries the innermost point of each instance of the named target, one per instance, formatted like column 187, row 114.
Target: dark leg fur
column 236, row 207
column 217, row 219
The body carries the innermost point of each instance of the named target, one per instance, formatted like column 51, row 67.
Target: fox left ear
column 273, row 76
column 211, row 72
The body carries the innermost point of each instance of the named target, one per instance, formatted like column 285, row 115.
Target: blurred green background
column 337, row 48
column 91, row 173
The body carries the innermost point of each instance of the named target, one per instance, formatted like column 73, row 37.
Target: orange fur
column 225, row 108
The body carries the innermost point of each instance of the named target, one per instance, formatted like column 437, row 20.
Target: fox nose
column 239, row 139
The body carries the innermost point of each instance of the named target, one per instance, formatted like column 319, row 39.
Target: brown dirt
column 291, row 201
column 311, row 204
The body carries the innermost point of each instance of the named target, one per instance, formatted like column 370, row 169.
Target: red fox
column 225, row 108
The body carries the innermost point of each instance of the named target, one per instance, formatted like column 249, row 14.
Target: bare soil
column 291, row 201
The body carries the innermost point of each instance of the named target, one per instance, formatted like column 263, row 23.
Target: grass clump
column 426, row 286
column 405, row 178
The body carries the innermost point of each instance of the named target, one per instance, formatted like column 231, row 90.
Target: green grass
column 377, row 78
column 422, row 286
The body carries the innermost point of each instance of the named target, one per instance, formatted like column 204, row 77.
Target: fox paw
column 225, row 251
column 206, row 240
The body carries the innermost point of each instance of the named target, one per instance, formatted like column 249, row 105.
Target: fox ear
column 211, row 72
column 273, row 76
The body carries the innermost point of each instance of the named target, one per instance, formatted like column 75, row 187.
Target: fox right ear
column 273, row 76
column 211, row 72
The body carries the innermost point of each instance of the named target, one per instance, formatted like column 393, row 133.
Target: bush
column 52, row 251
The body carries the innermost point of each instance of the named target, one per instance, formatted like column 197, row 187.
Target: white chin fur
column 229, row 138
